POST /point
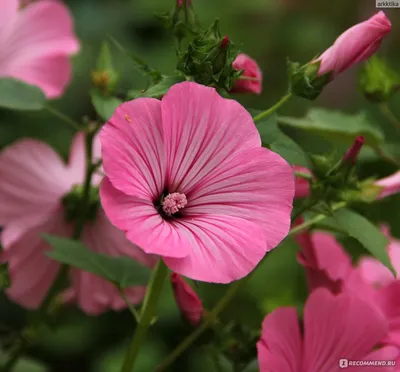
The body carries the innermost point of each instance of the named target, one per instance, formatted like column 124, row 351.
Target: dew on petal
column 128, row 118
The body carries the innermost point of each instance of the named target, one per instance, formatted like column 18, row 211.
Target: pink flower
column 355, row 45
column 234, row 197
column 35, row 43
column 188, row 302
column 354, row 150
column 33, row 183
column 251, row 70
column 390, row 185
column 335, row 327
column 302, row 185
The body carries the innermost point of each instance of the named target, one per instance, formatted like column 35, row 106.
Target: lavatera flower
column 37, row 195
column 188, row 180
column 36, row 40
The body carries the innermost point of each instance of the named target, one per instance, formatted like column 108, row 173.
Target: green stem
column 148, row 312
column 208, row 321
column 385, row 109
column 272, row 109
column 386, row 158
column 63, row 117
column 128, row 304
column 212, row 316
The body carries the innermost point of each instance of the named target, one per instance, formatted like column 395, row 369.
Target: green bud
column 304, row 80
column 378, row 81
column 72, row 203
column 105, row 78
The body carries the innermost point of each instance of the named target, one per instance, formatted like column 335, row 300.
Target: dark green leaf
column 273, row 138
column 122, row 271
column 337, row 125
column 16, row 95
column 162, row 87
column 366, row 233
column 104, row 106
column 4, row 276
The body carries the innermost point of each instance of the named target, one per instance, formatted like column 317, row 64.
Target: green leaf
column 337, row 125
column 16, row 95
column 121, row 271
column 4, row 276
column 158, row 90
column 273, row 138
column 366, row 233
column 104, row 106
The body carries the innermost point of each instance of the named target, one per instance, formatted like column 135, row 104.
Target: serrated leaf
column 337, row 125
column 161, row 88
column 104, row 105
column 366, row 233
column 273, row 137
column 121, row 271
column 17, row 95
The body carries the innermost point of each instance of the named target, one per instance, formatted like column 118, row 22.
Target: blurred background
column 267, row 30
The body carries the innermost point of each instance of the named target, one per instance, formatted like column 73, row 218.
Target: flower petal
column 280, row 346
column 201, row 130
column 9, row 9
column 337, row 327
column 133, row 149
column 142, row 223
column 33, row 179
column 255, row 184
column 220, row 248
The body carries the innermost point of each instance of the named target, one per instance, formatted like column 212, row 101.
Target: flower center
column 172, row 203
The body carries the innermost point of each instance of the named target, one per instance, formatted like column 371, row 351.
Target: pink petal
column 390, row 185
column 202, row 130
column 220, row 248
column 9, row 10
column 302, row 185
column 31, row 271
column 280, row 346
column 94, row 294
column 254, row 184
column 133, row 149
column 337, row 327
column 142, row 223
column 252, row 70
column 387, row 353
column 33, row 179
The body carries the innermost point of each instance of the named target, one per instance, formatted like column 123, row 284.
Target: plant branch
column 272, row 109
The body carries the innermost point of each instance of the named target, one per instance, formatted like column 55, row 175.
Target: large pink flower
column 335, row 328
column 355, row 45
column 35, row 43
column 187, row 179
column 33, row 182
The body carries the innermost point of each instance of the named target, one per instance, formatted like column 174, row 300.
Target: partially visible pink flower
column 390, row 185
column 238, row 196
column 33, row 182
column 355, row 45
column 302, row 185
column 335, row 327
column 354, row 150
column 35, row 44
column 188, row 302
column 251, row 70
column 326, row 263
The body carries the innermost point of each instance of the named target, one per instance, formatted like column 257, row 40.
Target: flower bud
column 251, row 79
column 187, row 300
column 352, row 153
column 389, row 185
column 302, row 185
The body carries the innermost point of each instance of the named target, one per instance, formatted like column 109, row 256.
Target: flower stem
column 128, row 304
column 212, row 316
column 275, row 107
column 63, row 117
column 385, row 109
column 147, row 314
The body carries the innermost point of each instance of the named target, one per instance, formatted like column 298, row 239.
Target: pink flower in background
column 390, row 185
column 33, row 182
column 355, row 45
column 188, row 302
column 35, row 44
column 335, row 327
column 302, row 185
column 251, row 70
column 235, row 196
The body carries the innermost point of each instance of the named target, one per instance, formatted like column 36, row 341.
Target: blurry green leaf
column 272, row 137
column 25, row 365
column 252, row 367
column 4, row 276
column 162, row 87
column 366, row 233
column 104, row 106
column 16, row 95
column 336, row 125
column 123, row 271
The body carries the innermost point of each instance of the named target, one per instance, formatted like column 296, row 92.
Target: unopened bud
column 352, row 153
column 225, row 41
column 100, row 79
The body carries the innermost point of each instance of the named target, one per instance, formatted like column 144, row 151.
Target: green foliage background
column 267, row 30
